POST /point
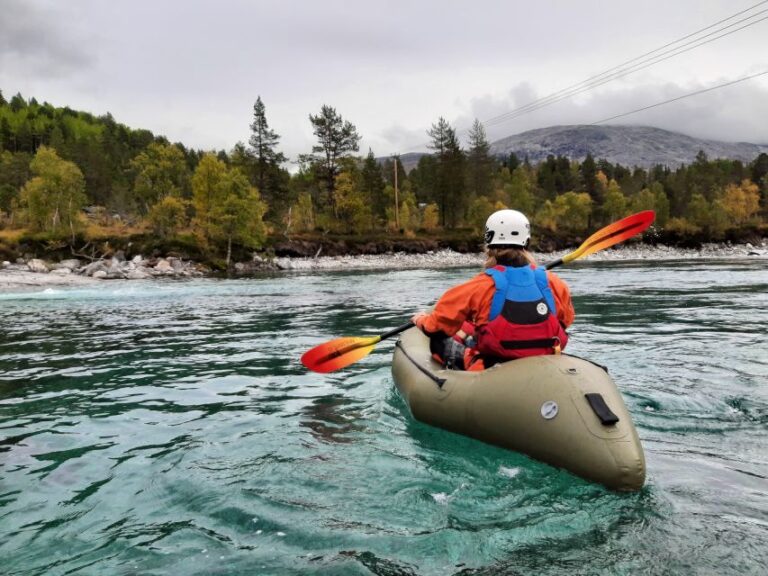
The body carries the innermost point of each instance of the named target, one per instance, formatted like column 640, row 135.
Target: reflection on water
column 169, row 428
column 329, row 421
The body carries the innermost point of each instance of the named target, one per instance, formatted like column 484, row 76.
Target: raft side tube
column 534, row 405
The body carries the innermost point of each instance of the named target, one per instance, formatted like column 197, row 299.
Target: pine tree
column 373, row 186
column 448, row 180
column 439, row 133
column 519, row 191
column 480, row 162
column 759, row 174
column 18, row 102
column 454, row 169
column 388, row 170
column 6, row 135
column 422, row 178
column 588, row 170
column 337, row 139
column 264, row 143
column 546, row 177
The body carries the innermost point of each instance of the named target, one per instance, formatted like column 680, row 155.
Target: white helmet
column 507, row 228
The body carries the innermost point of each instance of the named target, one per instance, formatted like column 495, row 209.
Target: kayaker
column 510, row 310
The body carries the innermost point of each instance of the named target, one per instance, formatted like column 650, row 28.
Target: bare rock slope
column 627, row 145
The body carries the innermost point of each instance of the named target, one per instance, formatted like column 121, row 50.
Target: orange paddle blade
column 613, row 234
column 338, row 353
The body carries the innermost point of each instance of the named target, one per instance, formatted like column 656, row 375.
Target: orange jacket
column 471, row 302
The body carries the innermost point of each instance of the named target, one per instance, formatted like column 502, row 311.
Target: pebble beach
column 38, row 274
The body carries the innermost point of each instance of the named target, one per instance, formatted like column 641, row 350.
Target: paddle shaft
column 554, row 263
column 396, row 331
column 371, row 342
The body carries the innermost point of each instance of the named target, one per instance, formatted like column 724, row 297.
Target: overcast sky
column 191, row 70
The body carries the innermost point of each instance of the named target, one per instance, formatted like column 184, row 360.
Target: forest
column 68, row 177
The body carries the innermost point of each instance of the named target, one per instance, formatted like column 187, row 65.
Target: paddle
column 337, row 354
column 342, row 352
column 609, row 236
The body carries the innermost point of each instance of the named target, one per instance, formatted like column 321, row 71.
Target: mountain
column 626, row 145
column 409, row 160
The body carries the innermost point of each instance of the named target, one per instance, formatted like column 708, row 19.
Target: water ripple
column 169, row 428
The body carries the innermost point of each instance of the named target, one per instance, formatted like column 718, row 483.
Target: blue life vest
column 523, row 284
column 523, row 317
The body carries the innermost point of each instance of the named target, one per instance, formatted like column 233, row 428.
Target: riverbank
column 450, row 259
column 37, row 274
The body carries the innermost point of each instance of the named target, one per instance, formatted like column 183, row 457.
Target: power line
column 558, row 96
column 710, row 89
column 731, row 17
column 640, row 62
column 622, row 65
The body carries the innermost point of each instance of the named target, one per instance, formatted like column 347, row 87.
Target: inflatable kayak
column 559, row 409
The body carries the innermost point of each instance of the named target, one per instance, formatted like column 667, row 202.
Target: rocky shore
column 36, row 273
column 450, row 259
column 74, row 272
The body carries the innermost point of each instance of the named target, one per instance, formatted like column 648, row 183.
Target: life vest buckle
column 556, row 347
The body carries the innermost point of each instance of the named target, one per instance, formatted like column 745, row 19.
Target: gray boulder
column 99, row 274
column 71, row 264
column 138, row 274
column 93, row 267
column 164, row 266
column 176, row 264
column 37, row 265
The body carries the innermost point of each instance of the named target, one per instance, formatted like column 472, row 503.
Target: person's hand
column 460, row 336
column 419, row 318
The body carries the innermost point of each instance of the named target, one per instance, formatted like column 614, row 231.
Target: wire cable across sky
column 696, row 93
column 568, row 93
column 686, row 43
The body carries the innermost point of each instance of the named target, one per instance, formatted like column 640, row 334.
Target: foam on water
column 509, row 472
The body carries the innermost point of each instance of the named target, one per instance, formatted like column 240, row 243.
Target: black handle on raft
column 554, row 263
column 397, row 330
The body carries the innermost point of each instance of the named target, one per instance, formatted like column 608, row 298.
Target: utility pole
column 397, row 203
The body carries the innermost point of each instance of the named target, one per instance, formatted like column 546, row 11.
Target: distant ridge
column 626, row 145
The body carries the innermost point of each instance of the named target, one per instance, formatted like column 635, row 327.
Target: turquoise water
column 168, row 428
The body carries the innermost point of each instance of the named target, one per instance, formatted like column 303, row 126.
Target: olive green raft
column 560, row 409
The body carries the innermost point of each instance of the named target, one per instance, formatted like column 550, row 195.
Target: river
column 169, row 428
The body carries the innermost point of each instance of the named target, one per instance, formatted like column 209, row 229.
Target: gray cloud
column 732, row 113
column 191, row 69
column 34, row 41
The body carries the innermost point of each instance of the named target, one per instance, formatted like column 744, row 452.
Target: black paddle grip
column 397, row 330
